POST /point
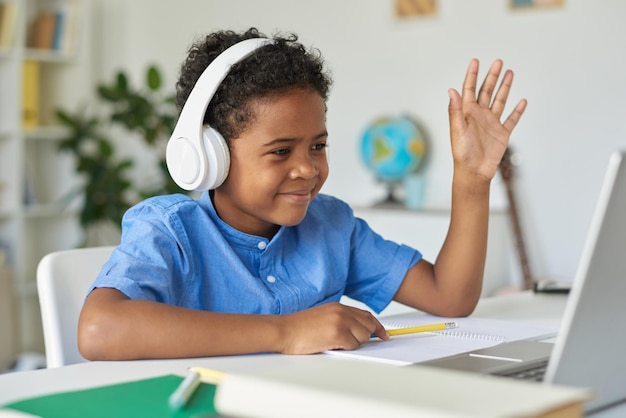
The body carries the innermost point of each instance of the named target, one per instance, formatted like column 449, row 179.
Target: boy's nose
column 305, row 167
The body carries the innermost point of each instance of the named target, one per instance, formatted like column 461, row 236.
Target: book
column 343, row 388
column 59, row 29
column 71, row 11
column 42, row 30
column 138, row 398
column 30, row 94
column 8, row 323
column 8, row 23
column 3, row 6
column 472, row 334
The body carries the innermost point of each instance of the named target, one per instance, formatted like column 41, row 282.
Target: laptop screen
column 589, row 351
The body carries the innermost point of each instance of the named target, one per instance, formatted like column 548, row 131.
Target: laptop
column 590, row 348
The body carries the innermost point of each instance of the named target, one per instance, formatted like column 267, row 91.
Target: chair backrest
column 63, row 279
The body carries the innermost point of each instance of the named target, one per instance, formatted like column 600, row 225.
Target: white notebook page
column 472, row 334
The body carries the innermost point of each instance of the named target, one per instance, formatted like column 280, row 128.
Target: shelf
column 48, row 210
column 426, row 230
column 46, row 133
column 399, row 208
column 6, row 53
column 6, row 214
column 28, row 289
column 48, row 56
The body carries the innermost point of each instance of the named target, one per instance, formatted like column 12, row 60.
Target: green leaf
column 153, row 78
column 122, row 82
column 65, row 118
column 106, row 148
column 108, row 93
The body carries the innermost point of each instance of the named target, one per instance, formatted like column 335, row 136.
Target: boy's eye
column 282, row 151
column 320, row 146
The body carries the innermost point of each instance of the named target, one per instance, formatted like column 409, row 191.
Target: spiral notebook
column 472, row 334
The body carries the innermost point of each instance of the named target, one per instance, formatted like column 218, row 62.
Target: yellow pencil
column 423, row 328
column 208, row 375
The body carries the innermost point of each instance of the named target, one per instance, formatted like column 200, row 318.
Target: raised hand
column 332, row 326
column 478, row 136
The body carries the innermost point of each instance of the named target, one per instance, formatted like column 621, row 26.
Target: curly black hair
column 272, row 70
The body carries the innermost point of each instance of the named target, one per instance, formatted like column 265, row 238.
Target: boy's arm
column 114, row 327
column 452, row 286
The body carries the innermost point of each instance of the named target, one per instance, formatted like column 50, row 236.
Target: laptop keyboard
column 534, row 373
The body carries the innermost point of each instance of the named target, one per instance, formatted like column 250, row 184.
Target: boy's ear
column 197, row 156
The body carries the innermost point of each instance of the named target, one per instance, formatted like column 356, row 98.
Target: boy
column 259, row 263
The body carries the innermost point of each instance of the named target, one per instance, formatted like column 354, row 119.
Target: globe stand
column 390, row 200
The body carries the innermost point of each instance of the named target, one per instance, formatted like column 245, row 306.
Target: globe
column 392, row 149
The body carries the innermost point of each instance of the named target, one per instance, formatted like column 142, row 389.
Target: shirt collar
column 234, row 236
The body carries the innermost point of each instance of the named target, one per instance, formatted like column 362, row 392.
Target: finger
column 489, row 85
column 499, row 102
column 380, row 332
column 366, row 326
column 510, row 122
column 469, row 84
column 455, row 109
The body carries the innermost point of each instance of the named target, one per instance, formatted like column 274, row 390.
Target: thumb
column 455, row 110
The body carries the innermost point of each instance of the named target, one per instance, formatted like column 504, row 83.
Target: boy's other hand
column 478, row 137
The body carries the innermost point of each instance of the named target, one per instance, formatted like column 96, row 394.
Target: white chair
column 63, row 279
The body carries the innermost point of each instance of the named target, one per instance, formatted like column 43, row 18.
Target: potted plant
column 108, row 189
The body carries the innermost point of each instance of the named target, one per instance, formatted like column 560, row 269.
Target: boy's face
column 278, row 164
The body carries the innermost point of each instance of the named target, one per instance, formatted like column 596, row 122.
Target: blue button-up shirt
column 177, row 250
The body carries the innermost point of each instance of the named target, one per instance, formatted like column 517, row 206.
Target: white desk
column 525, row 307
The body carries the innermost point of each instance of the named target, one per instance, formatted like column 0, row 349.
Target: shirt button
column 271, row 279
column 261, row 245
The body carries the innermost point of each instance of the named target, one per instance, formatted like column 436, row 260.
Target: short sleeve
column 378, row 266
column 153, row 257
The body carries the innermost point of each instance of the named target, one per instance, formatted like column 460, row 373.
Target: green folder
column 139, row 398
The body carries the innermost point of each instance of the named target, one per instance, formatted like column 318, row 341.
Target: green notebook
column 140, row 398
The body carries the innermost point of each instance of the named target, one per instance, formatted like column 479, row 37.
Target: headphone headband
column 193, row 164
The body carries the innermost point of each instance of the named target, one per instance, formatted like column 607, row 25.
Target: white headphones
column 197, row 156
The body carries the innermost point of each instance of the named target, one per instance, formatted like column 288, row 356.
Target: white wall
column 570, row 64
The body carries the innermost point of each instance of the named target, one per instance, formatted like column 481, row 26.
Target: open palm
column 478, row 136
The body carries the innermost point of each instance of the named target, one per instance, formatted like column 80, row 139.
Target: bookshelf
column 44, row 64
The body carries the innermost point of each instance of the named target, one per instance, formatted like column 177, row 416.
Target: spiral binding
column 453, row 333
column 470, row 335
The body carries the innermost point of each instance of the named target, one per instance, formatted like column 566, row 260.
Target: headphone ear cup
column 185, row 161
column 200, row 164
column 217, row 159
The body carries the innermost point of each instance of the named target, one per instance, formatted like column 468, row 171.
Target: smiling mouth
column 298, row 196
